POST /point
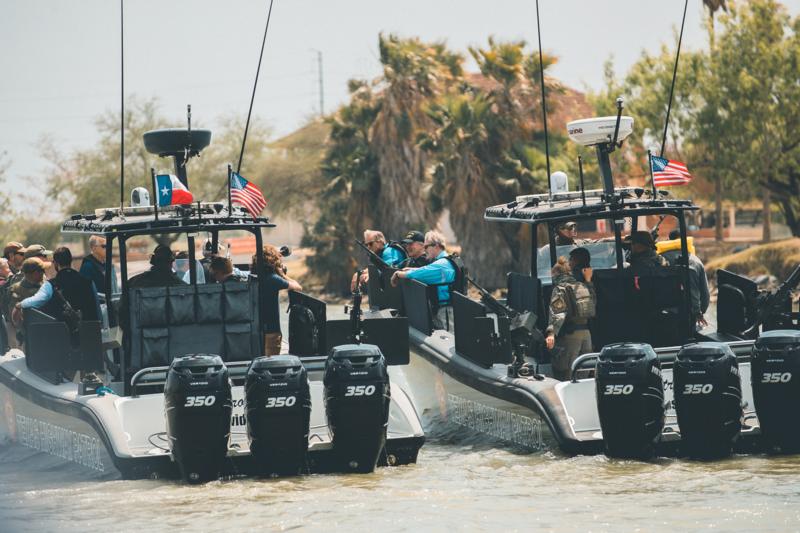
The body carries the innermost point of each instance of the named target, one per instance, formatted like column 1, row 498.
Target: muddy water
column 472, row 486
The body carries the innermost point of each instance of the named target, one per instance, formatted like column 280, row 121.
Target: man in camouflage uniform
column 33, row 277
column 572, row 305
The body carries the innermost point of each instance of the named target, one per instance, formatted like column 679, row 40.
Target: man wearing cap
column 566, row 234
column 698, row 281
column 32, row 277
column 68, row 284
column 14, row 254
column 393, row 254
column 414, row 248
column 160, row 273
column 643, row 252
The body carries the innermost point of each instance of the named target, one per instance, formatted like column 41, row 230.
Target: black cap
column 162, row 255
column 643, row 238
column 413, row 236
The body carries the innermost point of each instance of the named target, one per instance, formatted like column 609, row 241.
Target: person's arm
column 434, row 274
column 293, row 285
column 97, row 305
column 558, row 314
column 41, row 297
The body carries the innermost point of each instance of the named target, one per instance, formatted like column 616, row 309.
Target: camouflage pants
column 568, row 348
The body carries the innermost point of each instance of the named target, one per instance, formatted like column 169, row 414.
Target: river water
column 472, row 486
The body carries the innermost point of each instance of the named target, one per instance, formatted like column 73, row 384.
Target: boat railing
column 666, row 356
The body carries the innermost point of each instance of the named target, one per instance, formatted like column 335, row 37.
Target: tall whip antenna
column 544, row 107
column 255, row 84
column 674, row 76
column 122, row 104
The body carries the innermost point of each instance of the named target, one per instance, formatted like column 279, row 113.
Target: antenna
column 620, row 105
column 674, row 76
column 583, row 188
column 122, row 104
column 255, row 85
column 544, row 107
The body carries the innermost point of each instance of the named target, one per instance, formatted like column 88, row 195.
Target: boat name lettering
column 55, row 440
column 510, row 427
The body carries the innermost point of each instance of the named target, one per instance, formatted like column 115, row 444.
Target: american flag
column 668, row 172
column 247, row 195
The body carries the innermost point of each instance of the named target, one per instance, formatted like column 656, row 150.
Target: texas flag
column 171, row 191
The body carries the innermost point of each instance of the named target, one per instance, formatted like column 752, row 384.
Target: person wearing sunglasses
column 375, row 241
column 445, row 272
column 567, row 233
column 93, row 265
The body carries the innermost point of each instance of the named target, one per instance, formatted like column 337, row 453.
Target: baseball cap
column 32, row 264
column 13, row 246
column 644, row 238
column 568, row 225
column 161, row 255
column 413, row 236
column 36, row 250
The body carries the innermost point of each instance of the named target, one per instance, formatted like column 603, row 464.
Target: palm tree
column 413, row 72
column 484, row 141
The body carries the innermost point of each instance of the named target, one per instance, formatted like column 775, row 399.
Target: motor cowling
column 197, row 401
column 630, row 399
column 775, row 379
column 278, row 407
column 708, row 399
column 357, row 398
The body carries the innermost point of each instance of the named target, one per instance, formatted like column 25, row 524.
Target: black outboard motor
column 708, row 399
column 197, row 401
column 278, row 407
column 357, row 404
column 775, row 378
column 630, row 399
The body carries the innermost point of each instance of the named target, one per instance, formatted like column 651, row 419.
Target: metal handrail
column 665, row 355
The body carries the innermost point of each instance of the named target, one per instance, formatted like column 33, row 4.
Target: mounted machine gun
column 523, row 334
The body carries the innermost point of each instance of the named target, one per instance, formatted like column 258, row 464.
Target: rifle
column 654, row 231
column 522, row 331
column 356, row 335
column 374, row 258
column 772, row 305
column 492, row 303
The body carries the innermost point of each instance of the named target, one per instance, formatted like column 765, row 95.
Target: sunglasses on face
column 426, row 246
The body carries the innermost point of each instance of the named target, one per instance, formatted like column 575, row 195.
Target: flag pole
column 652, row 179
column 230, row 204
column 155, row 191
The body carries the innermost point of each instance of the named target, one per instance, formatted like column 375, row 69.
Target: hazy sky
column 60, row 59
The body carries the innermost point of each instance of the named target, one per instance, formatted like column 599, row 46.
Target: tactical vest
column 581, row 304
column 460, row 282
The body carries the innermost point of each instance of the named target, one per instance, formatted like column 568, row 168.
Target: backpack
column 399, row 247
column 303, row 331
column 460, row 282
column 580, row 300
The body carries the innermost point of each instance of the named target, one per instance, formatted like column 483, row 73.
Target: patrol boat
column 184, row 392
column 655, row 383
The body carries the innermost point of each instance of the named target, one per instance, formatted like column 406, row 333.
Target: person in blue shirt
column 393, row 255
column 271, row 282
column 441, row 272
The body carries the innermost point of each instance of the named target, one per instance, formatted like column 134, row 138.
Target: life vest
column 460, row 282
column 304, row 334
column 675, row 244
column 399, row 247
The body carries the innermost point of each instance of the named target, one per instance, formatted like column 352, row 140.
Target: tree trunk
column 718, row 207
column 766, row 232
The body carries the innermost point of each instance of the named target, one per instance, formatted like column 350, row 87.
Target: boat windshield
column 603, row 256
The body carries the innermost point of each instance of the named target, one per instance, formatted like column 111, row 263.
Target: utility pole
column 321, row 90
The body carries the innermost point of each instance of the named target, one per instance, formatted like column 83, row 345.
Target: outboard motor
column 708, row 399
column 197, row 400
column 775, row 378
column 278, row 407
column 357, row 404
column 630, row 399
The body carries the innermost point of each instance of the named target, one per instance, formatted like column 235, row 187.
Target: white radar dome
column 559, row 182
column 591, row 131
column 140, row 197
